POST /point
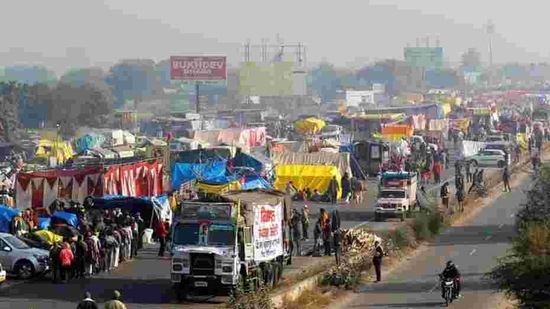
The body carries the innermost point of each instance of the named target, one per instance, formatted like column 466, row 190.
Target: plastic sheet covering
column 309, row 126
column 256, row 182
column 438, row 125
column 470, row 148
column 394, row 129
column 184, row 172
column 48, row 236
column 47, row 148
column 6, row 215
column 307, row 176
column 210, row 137
column 44, row 223
column 394, row 137
column 69, row 218
column 89, row 141
column 521, row 139
column 340, row 160
column 461, row 124
column 218, row 188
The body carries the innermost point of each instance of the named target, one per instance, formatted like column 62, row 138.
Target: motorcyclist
column 450, row 272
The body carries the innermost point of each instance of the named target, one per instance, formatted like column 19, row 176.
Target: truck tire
column 277, row 271
column 181, row 293
column 376, row 217
column 403, row 216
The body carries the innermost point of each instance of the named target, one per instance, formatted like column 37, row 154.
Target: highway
column 473, row 247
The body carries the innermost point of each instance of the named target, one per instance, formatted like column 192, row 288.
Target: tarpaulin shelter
column 66, row 217
column 255, row 182
column 40, row 188
column 48, row 236
column 314, row 177
column 218, row 187
column 148, row 207
column 340, row 160
column 184, row 172
column 89, row 141
column 258, row 162
column 309, row 126
column 60, row 149
column 44, row 223
column 6, row 215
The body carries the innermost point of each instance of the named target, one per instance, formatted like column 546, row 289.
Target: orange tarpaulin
column 403, row 129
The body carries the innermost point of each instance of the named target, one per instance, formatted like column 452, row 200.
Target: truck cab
column 396, row 195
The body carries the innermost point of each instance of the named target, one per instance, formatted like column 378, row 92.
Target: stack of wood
column 356, row 241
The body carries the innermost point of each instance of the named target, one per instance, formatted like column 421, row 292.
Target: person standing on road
column 468, row 171
column 56, row 262
column 305, row 223
column 506, row 179
column 116, row 302
column 346, row 187
column 445, row 195
column 333, row 190
column 66, row 258
column 317, row 233
column 162, row 234
column 87, row 302
column 296, row 220
column 335, row 228
column 326, row 228
column 377, row 260
column 358, row 191
column 80, row 257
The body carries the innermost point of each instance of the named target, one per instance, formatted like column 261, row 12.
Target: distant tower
column 490, row 31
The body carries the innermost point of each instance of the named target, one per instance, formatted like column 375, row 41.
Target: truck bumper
column 389, row 213
column 203, row 285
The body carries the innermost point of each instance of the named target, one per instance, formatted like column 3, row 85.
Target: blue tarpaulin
column 256, row 182
column 184, row 172
column 244, row 160
column 6, row 215
column 44, row 223
column 68, row 217
column 89, row 141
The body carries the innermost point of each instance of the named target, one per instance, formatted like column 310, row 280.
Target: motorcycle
column 448, row 289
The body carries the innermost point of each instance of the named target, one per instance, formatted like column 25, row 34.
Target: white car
column 489, row 158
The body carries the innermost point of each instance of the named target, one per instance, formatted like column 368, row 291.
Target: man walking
column 87, row 302
column 445, row 195
column 296, row 237
column 305, row 223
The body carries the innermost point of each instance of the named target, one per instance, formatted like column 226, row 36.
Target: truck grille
column 389, row 206
column 202, row 264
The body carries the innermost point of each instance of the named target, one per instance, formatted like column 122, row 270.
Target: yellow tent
column 47, row 148
column 49, row 237
column 309, row 125
column 307, row 176
column 221, row 188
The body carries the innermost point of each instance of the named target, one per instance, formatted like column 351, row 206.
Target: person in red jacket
column 66, row 258
column 162, row 233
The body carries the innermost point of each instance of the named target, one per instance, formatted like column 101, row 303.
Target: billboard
column 354, row 97
column 198, row 68
column 274, row 79
column 426, row 57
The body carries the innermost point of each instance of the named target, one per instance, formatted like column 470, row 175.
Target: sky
column 62, row 34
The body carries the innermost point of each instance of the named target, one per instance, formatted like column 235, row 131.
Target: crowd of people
column 351, row 188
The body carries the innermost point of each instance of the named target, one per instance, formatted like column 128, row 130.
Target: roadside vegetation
column 250, row 297
column 523, row 273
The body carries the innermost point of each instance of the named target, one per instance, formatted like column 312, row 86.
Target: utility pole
column 490, row 30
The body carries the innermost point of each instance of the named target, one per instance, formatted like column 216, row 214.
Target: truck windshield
column 213, row 234
column 392, row 194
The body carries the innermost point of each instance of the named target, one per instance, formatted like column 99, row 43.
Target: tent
column 340, row 160
column 44, row 223
column 61, row 149
column 148, row 207
column 6, row 215
column 89, row 141
column 184, row 172
column 309, row 125
column 314, row 177
column 67, row 217
column 255, row 182
column 218, row 187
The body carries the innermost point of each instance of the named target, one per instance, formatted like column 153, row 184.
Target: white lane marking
column 500, row 226
column 473, row 251
column 488, row 237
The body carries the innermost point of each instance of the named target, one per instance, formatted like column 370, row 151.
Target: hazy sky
column 343, row 32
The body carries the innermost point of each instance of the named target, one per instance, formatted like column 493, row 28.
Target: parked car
column 21, row 259
column 489, row 158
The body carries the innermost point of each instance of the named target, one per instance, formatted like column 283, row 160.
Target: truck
column 223, row 239
column 396, row 195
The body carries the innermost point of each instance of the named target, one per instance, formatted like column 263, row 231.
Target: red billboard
column 198, row 68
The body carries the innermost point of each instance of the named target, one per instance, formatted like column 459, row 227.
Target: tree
column 134, row 80
column 324, row 82
column 471, row 59
column 11, row 95
column 519, row 273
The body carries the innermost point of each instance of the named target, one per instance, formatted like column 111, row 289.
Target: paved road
column 474, row 246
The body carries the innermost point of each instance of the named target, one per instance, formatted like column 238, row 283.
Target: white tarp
column 470, row 148
column 268, row 236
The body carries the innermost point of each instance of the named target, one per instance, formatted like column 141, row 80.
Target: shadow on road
column 404, row 305
column 471, row 235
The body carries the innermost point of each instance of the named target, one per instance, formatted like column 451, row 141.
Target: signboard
column 426, row 57
column 354, row 98
column 268, row 237
column 275, row 79
column 473, row 78
column 207, row 211
column 378, row 88
column 198, row 68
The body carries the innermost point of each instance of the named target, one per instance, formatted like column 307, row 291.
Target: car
column 489, row 158
column 21, row 259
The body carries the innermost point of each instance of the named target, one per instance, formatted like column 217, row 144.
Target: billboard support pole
column 197, row 96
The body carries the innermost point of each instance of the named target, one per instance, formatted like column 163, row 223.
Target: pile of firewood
column 355, row 241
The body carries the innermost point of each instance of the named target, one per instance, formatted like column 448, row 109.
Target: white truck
column 241, row 236
column 396, row 195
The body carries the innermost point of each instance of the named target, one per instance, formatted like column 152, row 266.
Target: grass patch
column 312, row 298
column 398, row 238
